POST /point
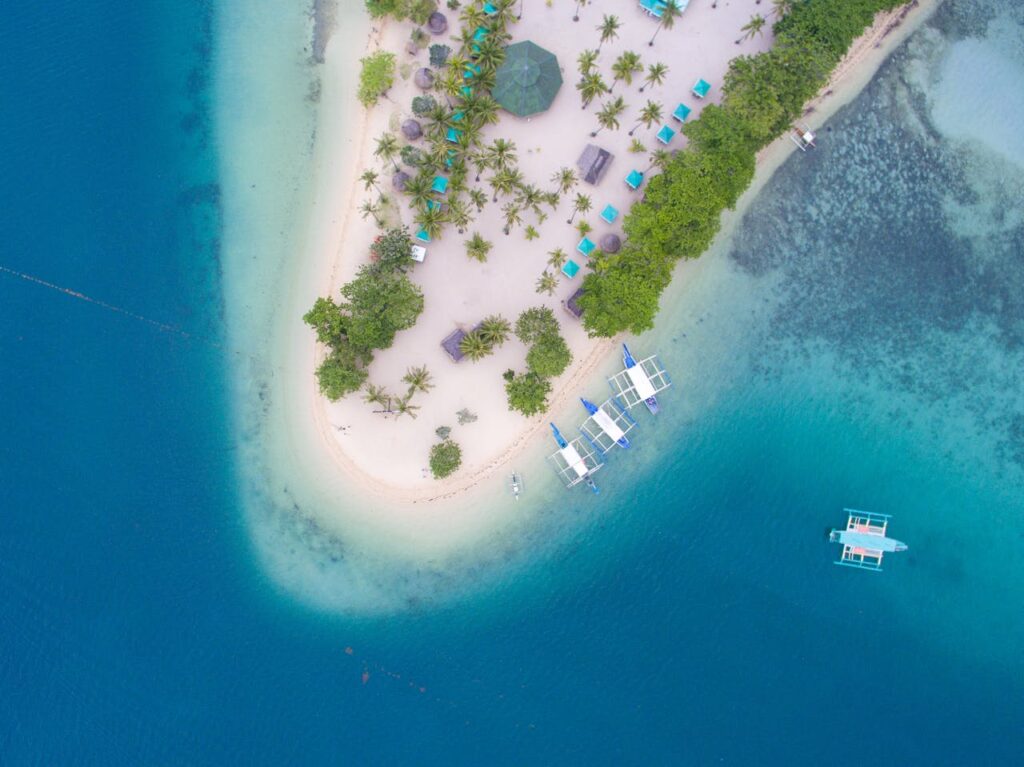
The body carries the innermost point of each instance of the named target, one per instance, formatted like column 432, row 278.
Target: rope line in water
column 104, row 305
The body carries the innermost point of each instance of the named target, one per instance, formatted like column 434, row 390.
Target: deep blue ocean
column 136, row 626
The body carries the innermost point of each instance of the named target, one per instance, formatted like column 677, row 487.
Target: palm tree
column 501, row 154
column 369, row 179
column 660, row 159
column 377, row 395
column 482, row 160
column 781, row 7
column 650, row 114
column 387, row 149
column 404, row 406
column 482, row 110
column 490, row 55
column 557, row 258
column 477, row 247
column 418, row 379
column 591, row 86
column 431, row 220
column 531, row 197
column 564, row 180
column 580, row 205
column 473, row 16
column 505, row 181
column 478, row 198
column 625, row 66
column 458, row 214
column 495, row 330
column 513, row 216
column 369, row 208
column 418, row 189
column 450, row 84
column 474, row 346
column 669, row 14
column 752, row 27
column 547, row 283
column 579, row 4
column 586, row 61
column 608, row 117
column 655, row 75
column 609, row 29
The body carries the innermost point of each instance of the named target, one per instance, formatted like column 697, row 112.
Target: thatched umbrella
column 398, row 180
column 424, row 79
column 412, row 130
column 528, row 79
column 437, row 23
column 610, row 243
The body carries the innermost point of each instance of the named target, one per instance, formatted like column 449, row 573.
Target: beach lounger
column 570, row 269
column 453, row 135
column 634, row 179
column 467, row 92
column 480, row 35
column 433, row 205
column 610, row 213
column 490, row 10
column 681, row 113
column 666, row 134
column 701, row 88
column 586, row 247
column 422, row 235
column 418, row 253
column 440, row 185
column 472, row 70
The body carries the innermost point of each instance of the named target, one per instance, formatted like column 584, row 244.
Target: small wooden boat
column 640, row 380
column 515, row 484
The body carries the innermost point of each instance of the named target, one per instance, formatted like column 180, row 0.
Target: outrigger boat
column 864, row 540
column 609, row 429
column 640, row 381
column 515, row 484
column 574, row 461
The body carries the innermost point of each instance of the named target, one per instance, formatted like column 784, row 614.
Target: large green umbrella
column 527, row 80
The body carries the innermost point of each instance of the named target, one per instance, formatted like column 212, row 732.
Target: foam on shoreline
column 323, row 533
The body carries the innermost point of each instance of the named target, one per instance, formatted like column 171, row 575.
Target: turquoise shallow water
column 858, row 342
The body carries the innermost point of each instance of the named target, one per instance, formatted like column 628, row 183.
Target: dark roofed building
column 451, row 344
column 572, row 305
column 593, row 163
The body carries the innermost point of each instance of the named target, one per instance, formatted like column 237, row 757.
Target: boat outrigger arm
column 607, row 425
column 640, row 381
column 574, row 461
column 864, row 540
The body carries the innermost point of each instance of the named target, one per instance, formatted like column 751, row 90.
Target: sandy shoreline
column 337, row 237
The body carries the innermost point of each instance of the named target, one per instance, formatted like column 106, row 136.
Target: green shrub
column 445, row 458
column 376, row 77
column 534, row 323
column 423, row 105
column 392, row 251
column 439, row 55
column 528, row 393
column 549, row 356
column 340, row 374
column 680, row 212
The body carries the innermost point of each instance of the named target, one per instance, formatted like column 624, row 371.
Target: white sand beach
column 358, row 476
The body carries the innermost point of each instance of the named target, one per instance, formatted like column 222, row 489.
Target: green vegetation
column 376, row 77
column 439, row 55
column 392, row 251
column 681, row 210
column 528, row 393
column 445, row 458
column 416, row 10
column 547, row 357
column 377, row 304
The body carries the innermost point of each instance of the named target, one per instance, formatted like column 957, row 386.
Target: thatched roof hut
column 437, row 23
column 593, row 163
column 572, row 304
column 610, row 243
column 411, row 129
column 424, row 78
column 398, row 180
column 452, row 343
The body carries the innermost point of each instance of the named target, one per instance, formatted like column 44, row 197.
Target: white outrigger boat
column 575, row 461
column 864, row 540
column 640, row 381
column 607, row 425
